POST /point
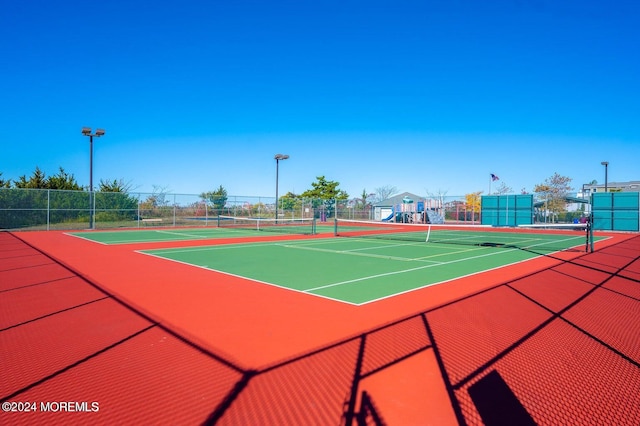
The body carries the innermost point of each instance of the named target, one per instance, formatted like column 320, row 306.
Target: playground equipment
column 425, row 211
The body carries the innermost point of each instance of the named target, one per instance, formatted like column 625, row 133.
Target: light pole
column 278, row 157
column 86, row 131
column 606, row 177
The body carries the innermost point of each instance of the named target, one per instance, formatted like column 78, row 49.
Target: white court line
column 84, row 238
column 283, row 287
column 423, row 267
column 185, row 235
column 358, row 251
column 301, row 244
column 403, row 271
column 351, row 253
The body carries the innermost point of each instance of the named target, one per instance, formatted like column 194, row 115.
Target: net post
column 590, row 237
column 590, row 223
column 335, row 226
column 587, row 239
column 428, row 233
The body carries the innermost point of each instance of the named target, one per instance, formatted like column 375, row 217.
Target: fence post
column 48, row 208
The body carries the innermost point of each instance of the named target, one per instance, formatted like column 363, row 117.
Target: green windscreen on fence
column 507, row 210
column 616, row 211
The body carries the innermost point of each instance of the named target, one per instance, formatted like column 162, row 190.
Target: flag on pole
column 494, row 177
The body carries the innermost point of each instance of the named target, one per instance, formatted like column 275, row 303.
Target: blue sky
column 426, row 96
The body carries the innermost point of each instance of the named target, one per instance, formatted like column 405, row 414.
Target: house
column 588, row 189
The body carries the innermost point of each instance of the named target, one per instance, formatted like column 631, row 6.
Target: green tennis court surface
column 353, row 270
column 186, row 234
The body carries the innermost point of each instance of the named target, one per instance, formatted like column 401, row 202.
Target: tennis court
column 224, row 227
column 363, row 269
column 198, row 326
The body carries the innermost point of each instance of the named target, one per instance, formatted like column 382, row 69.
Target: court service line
column 357, row 252
column 352, row 253
column 402, row 272
column 416, row 268
column 184, row 234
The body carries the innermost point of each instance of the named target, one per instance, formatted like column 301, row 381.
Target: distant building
column 588, row 189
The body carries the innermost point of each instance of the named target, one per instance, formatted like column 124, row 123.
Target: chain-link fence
column 40, row 209
column 53, row 209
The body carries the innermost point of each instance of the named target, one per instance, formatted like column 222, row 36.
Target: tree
column 257, row 209
column 364, row 200
column 114, row 186
column 440, row 196
column 360, row 207
column 157, row 200
column 385, row 192
column 63, row 206
column 217, row 199
column 473, row 201
column 114, row 203
column 325, row 192
column 38, row 180
column 4, row 183
column 63, row 181
column 503, row 188
column 553, row 191
column 289, row 201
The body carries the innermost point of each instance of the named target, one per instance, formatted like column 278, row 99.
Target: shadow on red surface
column 557, row 346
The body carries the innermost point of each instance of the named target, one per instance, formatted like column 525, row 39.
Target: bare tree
column 503, row 188
column 385, row 192
column 440, row 195
column 157, row 197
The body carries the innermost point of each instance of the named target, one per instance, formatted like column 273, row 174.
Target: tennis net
column 538, row 238
column 288, row 226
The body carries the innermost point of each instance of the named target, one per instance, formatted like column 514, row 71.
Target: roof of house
column 397, row 199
